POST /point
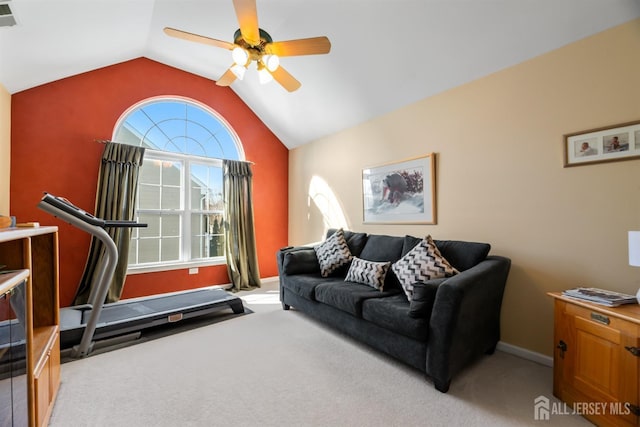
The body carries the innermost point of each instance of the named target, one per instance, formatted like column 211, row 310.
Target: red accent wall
column 53, row 128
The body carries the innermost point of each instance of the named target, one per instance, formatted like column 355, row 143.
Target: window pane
column 198, row 247
column 170, row 249
column 207, row 239
column 199, row 237
column 216, row 244
column 160, row 240
column 149, row 250
column 226, row 145
column 150, row 172
column 170, row 225
column 148, row 197
column 206, row 184
column 153, row 225
column 125, row 135
column 178, row 126
column 216, row 201
column 172, row 173
column 170, row 197
column 198, row 183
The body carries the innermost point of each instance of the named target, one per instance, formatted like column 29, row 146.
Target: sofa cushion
column 423, row 262
column 346, row 296
column 382, row 248
column 462, row 255
column 299, row 261
column 368, row 272
column 304, row 284
column 333, row 253
column 355, row 241
column 424, row 295
column 408, row 243
column 392, row 313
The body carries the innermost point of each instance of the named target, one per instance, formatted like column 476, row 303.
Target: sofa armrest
column 465, row 320
column 297, row 260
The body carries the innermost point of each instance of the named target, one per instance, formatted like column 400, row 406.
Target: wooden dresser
column 36, row 250
column 596, row 363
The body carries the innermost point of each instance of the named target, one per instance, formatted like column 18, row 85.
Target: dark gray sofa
column 451, row 323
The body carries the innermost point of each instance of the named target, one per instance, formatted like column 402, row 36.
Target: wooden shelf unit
column 36, row 250
column 597, row 359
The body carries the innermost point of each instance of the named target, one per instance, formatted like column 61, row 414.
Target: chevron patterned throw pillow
column 368, row 272
column 422, row 263
column 333, row 253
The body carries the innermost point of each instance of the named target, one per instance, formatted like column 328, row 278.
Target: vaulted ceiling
column 385, row 53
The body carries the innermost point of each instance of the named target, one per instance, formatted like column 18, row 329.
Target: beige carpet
column 279, row 368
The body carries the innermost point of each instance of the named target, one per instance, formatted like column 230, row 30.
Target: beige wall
column 5, row 149
column 500, row 175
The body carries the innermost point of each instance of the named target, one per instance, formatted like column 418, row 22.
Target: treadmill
column 84, row 326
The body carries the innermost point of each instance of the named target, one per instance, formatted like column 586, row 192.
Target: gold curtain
column 115, row 200
column 240, row 242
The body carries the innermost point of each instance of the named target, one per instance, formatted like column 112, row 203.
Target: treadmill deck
column 141, row 313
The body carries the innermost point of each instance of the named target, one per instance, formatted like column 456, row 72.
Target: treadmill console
column 65, row 205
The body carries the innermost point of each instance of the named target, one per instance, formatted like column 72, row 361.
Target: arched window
column 180, row 186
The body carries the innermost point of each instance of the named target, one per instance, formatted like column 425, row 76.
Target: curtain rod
column 105, row 141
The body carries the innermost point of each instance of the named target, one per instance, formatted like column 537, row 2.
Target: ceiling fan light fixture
column 240, row 56
column 272, row 62
column 264, row 76
column 238, row 70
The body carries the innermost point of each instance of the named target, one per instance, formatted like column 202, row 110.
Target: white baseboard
column 228, row 286
column 525, row 354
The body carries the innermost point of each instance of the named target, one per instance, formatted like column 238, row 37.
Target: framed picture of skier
column 401, row 192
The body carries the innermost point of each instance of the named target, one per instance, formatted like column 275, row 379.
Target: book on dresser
column 600, row 296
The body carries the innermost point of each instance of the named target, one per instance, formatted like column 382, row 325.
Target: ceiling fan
column 253, row 44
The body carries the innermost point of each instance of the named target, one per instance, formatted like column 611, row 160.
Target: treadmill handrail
column 68, row 207
column 107, row 269
column 77, row 217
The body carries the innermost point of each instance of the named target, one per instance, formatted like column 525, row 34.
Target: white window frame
column 185, row 216
column 185, row 211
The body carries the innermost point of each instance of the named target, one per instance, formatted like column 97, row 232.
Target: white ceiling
column 385, row 53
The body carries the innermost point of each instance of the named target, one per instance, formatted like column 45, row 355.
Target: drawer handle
column 633, row 350
column 597, row 317
column 562, row 346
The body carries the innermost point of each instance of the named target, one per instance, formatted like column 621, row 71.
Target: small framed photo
column 608, row 144
column 401, row 192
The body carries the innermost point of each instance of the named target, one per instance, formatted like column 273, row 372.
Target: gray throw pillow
column 423, row 262
column 368, row 272
column 333, row 253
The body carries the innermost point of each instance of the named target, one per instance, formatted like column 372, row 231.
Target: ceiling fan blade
column 198, row 38
column 227, row 78
column 247, row 14
column 311, row 46
column 285, row 79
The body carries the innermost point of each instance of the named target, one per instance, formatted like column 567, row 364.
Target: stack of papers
column 600, row 296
